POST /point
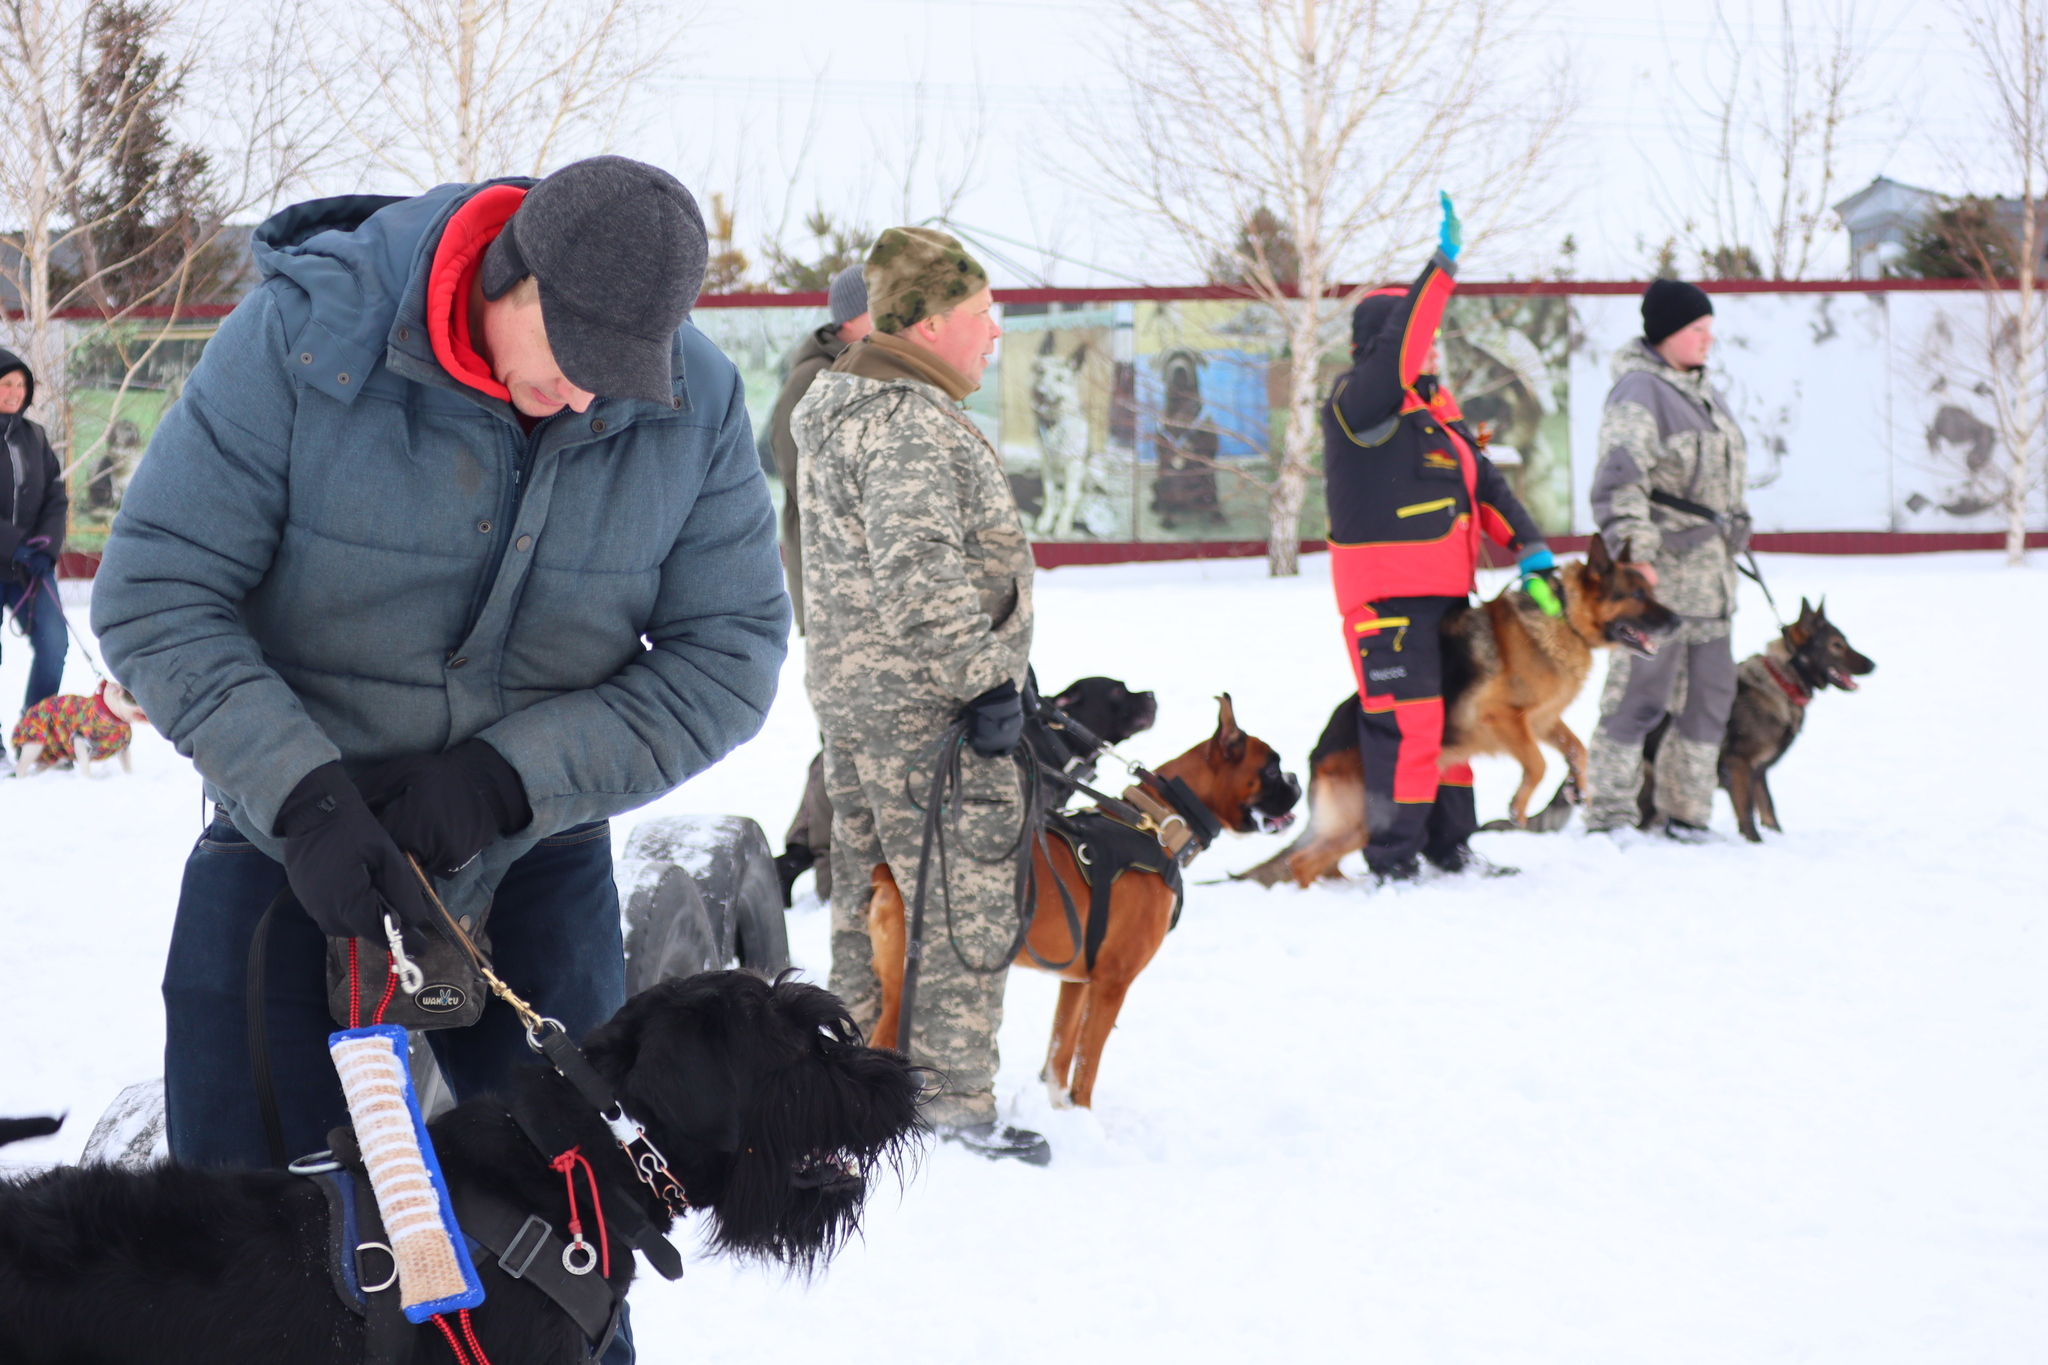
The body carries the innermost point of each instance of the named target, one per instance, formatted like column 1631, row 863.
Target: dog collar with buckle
column 621, row 1215
column 551, row 1040
column 1799, row 695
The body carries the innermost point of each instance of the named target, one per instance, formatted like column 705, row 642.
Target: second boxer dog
column 1236, row 776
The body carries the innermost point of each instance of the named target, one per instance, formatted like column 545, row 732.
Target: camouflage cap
column 914, row 273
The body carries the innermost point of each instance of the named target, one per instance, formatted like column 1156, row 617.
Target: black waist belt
column 1686, row 505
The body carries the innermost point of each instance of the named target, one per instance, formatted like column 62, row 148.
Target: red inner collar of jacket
column 457, row 259
column 1799, row 695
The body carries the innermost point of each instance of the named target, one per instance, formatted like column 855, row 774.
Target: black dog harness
column 1104, row 849
column 1117, row 836
column 524, row 1244
column 1158, row 825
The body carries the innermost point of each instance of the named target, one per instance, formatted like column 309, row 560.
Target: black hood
column 1369, row 318
column 10, row 361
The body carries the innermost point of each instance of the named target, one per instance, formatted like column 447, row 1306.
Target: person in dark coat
column 809, row 841
column 849, row 321
column 33, row 509
column 1410, row 493
column 455, row 545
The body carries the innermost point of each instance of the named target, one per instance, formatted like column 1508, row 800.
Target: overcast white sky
column 757, row 82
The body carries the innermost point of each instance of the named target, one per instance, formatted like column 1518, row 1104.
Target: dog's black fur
column 1812, row 654
column 1108, row 708
column 770, row 1111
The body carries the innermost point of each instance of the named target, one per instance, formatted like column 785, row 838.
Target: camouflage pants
column 877, row 780
column 1692, row 678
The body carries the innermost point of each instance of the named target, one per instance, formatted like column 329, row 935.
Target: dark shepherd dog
column 1771, row 695
column 771, row 1112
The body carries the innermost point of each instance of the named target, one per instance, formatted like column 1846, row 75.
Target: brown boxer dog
column 1236, row 776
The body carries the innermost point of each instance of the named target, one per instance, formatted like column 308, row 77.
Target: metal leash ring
column 570, row 1252
column 389, row 1280
column 533, row 1032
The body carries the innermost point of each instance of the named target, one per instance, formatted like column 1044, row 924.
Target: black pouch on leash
column 453, row 995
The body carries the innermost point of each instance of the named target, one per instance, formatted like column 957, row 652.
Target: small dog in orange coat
column 83, row 730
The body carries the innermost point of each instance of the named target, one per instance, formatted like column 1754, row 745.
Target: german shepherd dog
column 770, row 1111
column 1772, row 690
column 1237, row 776
column 1509, row 672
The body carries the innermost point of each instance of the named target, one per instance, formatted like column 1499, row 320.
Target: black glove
column 341, row 864
column 445, row 807
column 995, row 721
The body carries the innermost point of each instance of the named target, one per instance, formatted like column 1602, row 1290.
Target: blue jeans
column 44, row 622
column 555, row 937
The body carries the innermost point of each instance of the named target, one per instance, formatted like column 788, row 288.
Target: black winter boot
column 794, row 862
column 1401, row 870
column 995, row 1143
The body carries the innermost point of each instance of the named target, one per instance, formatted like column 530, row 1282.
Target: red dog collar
column 1799, row 695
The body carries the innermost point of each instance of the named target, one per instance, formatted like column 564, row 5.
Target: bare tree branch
column 115, row 215
column 1339, row 118
column 464, row 90
column 2009, row 39
column 1781, row 95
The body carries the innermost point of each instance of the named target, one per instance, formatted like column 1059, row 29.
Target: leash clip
column 410, row 977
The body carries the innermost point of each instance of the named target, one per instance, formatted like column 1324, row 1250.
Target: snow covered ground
column 1652, row 1103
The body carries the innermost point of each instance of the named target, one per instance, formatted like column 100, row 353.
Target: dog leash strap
column 648, row 1162
column 623, row 1216
column 1123, row 812
column 1756, row 576
column 259, row 1031
column 551, row 1040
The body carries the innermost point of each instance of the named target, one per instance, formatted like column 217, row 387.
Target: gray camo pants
column 1692, row 678
column 877, row 780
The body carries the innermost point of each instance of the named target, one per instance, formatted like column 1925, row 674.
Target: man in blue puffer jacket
column 455, row 544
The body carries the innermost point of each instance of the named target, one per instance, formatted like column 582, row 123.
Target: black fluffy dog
column 770, row 1111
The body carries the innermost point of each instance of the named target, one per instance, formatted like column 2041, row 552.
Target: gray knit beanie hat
column 847, row 296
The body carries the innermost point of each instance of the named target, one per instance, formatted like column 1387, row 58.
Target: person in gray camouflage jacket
column 1667, row 429
column 917, row 606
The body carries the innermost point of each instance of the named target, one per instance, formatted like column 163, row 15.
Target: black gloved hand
column 445, row 807
column 342, row 866
column 995, row 721
column 30, row 560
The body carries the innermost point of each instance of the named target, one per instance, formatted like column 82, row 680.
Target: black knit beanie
column 1671, row 304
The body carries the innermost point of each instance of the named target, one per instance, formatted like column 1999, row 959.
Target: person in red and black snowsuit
column 1409, row 496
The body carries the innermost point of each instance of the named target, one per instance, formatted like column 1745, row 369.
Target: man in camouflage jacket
column 1667, row 430
column 917, row 586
